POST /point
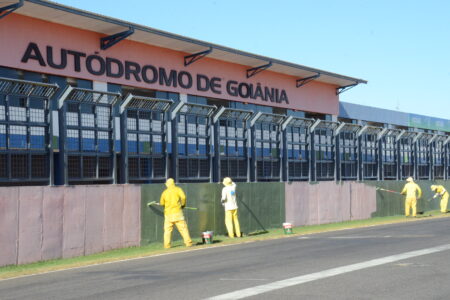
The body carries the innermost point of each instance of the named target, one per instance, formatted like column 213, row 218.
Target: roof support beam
column 417, row 137
column 189, row 59
column 4, row 11
column 381, row 133
column 361, row 131
column 432, row 139
column 345, row 88
column 338, row 130
column 253, row 71
column 400, row 135
column 447, row 141
column 303, row 81
column 109, row 41
column 313, row 126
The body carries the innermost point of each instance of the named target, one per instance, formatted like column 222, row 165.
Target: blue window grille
column 389, row 157
column 348, row 151
column 423, row 152
column 231, row 138
column 144, row 154
column 192, row 157
column 438, row 156
column 86, row 121
column 369, row 145
column 297, row 147
column 266, row 141
column 406, row 154
column 323, row 166
column 25, row 150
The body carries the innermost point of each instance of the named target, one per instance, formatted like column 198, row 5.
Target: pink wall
column 52, row 223
column 19, row 31
column 41, row 223
column 9, row 225
column 328, row 202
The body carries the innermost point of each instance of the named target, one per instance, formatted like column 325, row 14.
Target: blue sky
column 401, row 48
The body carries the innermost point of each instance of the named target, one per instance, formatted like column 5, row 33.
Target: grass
column 157, row 248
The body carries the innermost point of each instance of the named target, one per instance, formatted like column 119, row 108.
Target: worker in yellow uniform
column 411, row 190
column 174, row 200
column 230, row 205
column 441, row 192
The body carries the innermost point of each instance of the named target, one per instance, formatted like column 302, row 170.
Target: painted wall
column 42, row 223
column 261, row 206
column 328, row 202
column 389, row 204
column 20, row 30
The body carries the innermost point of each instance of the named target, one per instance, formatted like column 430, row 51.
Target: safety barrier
column 42, row 223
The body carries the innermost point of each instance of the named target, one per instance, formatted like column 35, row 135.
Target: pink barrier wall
column 30, row 224
column 328, row 202
column 53, row 207
column 95, row 215
column 113, row 217
column 74, row 221
column 41, row 223
column 131, row 216
column 9, row 225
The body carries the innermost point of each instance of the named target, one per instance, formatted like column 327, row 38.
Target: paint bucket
column 207, row 237
column 287, row 228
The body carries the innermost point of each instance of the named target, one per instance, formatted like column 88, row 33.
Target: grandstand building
column 88, row 99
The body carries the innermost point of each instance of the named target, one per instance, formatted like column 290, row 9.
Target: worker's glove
column 223, row 201
column 435, row 196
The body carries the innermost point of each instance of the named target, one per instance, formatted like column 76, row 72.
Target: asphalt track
column 381, row 262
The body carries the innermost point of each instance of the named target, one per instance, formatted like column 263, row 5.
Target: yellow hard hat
column 409, row 179
column 433, row 187
column 227, row 181
column 170, row 182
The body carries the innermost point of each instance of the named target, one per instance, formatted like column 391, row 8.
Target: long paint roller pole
column 389, row 191
column 154, row 203
column 395, row 192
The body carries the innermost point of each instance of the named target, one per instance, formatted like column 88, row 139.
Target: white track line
column 239, row 294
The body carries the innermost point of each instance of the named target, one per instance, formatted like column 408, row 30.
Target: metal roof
column 69, row 16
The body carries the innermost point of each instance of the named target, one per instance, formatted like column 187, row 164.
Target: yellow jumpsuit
column 441, row 191
column 410, row 189
column 173, row 199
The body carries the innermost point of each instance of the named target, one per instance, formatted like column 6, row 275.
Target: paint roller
column 155, row 203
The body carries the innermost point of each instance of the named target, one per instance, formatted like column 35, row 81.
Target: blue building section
column 386, row 116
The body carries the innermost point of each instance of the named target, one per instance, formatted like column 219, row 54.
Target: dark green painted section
column 390, row 204
column 261, row 206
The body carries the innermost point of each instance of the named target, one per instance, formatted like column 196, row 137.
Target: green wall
column 390, row 204
column 261, row 206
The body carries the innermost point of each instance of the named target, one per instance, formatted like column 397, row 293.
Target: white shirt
column 229, row 194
